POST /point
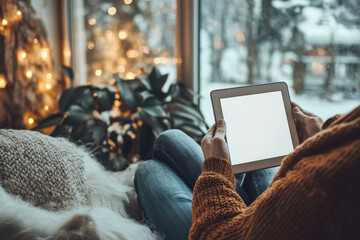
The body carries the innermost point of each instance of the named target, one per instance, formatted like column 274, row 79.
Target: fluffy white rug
column 108, row 213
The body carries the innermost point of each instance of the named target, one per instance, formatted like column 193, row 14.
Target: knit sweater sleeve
column 218, row 212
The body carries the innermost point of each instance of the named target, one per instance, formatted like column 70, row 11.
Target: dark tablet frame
column 216, row 95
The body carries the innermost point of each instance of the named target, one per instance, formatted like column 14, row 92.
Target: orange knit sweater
column 314, row 195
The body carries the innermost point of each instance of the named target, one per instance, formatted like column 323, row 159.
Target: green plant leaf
column 180, row 91
column 157, row 80
column 145, row 81
column 126, row 93
column 153, row 107
column 191, row 130
column 153, row 122
column 105, row 99
column 61, row 131
column 68, row 72
column 99, row 131
column 80, row 95
column 49, row 121
column 74, row 118
column 180, row 106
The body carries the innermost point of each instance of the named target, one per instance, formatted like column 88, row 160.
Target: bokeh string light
column 34, row 74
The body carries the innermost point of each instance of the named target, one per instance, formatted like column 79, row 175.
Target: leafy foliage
column 119, row 123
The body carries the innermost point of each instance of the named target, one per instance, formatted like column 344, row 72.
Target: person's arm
column 218, row 212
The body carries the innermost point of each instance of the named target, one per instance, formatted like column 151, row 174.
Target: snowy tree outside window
column 313, row 46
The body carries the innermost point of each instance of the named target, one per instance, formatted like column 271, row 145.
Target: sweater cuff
column 220, row 166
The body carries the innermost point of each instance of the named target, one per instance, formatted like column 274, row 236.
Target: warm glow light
column 44, row 54
column 132, row 54
column 117, row 103
column 92, row 21
column 146, row 50
column 36, row 41
column 98, row 72
column 127, row 1
column 18, row 13
column 67, row 53
column 112, row 11
column 121, row 69
column 49, row 76
column 4, row 22
column 48, row 86
column 95, row 94
column 2, row 81
column 165, row 61
column 30, row 121
column 122, row 35
column 46, row 107
column 130, row 75
column 28, row 74
column 91, row 45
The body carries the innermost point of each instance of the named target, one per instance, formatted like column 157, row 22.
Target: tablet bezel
column 216, row 95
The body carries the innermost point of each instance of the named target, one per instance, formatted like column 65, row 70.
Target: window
column 123, row 36
column 313, row 46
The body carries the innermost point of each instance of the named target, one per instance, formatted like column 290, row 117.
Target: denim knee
column 170, row 136
column 143, row 170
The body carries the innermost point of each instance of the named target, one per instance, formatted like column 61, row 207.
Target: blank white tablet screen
column 257, row 127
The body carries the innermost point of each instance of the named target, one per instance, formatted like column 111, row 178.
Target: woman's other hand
column 307, row 124
column 214, row 144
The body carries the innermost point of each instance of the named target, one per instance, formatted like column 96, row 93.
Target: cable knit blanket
column 47, row 172
column 50, row 188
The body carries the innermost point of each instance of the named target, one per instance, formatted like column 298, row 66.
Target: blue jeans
column 165, row 184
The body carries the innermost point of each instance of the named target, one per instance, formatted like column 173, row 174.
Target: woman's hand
column 214, row 144
column 307, row 124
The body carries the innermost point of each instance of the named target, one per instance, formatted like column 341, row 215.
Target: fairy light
column 18, row 13
column 117, row 103
column 130, row 75
column 2, row 81
column 31, row 121
column 28, row 74
column 91, row 45
column 46, row 107
column 36, row 41
column 98, row 72
column 48, row 86
column 4, row 22
column 127, row 2
column 44, row 53
column 132, row 54
column 122, row 35
column 112, row 11
column 92, row 21
column 146, row 50
column 67, row 53
column 49, row 76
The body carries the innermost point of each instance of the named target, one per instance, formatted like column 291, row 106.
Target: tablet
column 260, row 128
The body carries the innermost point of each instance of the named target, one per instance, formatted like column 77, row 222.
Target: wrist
column 220, row 166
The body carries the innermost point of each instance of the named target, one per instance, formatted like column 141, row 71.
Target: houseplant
column 119, row 123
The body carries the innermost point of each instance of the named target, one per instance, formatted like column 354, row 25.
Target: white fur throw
column 52, row 189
